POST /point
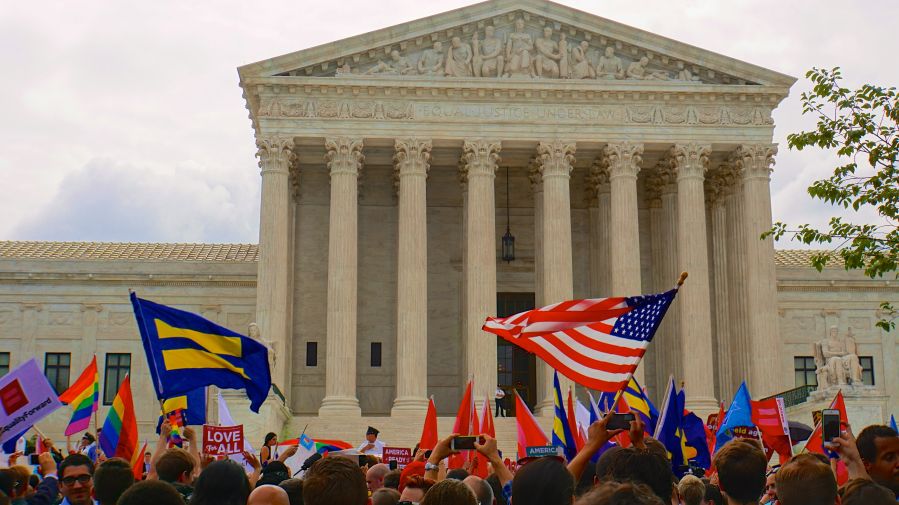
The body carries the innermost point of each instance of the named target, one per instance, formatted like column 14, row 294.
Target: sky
column 123, row 121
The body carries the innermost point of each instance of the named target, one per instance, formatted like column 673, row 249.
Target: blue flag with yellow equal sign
column 186, row 352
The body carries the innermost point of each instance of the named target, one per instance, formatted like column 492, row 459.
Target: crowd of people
column 640, row 474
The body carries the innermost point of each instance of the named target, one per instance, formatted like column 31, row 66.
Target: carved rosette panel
column 690, row 160
column 556, row 158
column 623, row 158
column 755, row 160
column 597, row 180
column 479, row 157
column 275, row 153
column 343, row 155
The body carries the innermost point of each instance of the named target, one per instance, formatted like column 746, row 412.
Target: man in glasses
column 76, row 474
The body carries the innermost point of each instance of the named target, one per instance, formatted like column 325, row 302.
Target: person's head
column 175, row 465
column 457, row 474
column 374, row 477
column 268, row 495
column 76, row 473
column 273, row 474
column 544, row 481
column 642, row 466
column 879, row 448
column 111, row 479
column 151, row 492
column 481, row 489
column 415, row 489
column 294, row 488
column 271, row 439
column 335, row 481
column 449, row 492
column 221, row 483
column 371, row 434
column 691, row 490
column 770, row 487
column 392, row 479
column 865, row 492
column 741, row 468
column 620, row 493
column 385, row 496
column 806, row 479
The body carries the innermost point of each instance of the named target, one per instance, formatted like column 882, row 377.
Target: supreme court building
column 394, row 162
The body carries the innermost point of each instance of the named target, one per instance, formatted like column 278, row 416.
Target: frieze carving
column 688, row 115
column 519, row 46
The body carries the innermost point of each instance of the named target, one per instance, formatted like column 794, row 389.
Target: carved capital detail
column 275, row 153
column 479, row 157
column 623, row 158
column 597, row 180
column 343, row 155
column 555, row 158
column 690, row 160
column 755, row 160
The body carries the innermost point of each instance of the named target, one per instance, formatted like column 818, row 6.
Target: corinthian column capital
column 479, row 157
column 275, row 153
column 690, row 160
column 754, row 160
column 623, row 158
column 412, row 157
column 343, row 155
column 555, row 158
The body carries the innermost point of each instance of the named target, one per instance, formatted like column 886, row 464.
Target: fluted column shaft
column 623, row 161
column 761, row 282
column 479, row 163
column 412, row 160
column 344, row 159
column 555, row 161
column 691, row 162
column 272, row 294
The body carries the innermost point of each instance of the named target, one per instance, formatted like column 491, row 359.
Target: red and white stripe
column 575, row 338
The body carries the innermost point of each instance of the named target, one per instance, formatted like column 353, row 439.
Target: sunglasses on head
column 81, row 479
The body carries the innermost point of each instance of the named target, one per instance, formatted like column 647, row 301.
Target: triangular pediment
column 532, row 39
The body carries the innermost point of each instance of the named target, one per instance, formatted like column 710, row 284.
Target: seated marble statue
column 637, row 70
column 836, row 361
column 610, row 66
column 398, row 65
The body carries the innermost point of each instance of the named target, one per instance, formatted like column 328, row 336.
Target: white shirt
column 377, row 450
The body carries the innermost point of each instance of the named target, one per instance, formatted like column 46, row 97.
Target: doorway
column 516, row 368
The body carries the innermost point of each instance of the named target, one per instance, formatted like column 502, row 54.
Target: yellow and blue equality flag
column 562, row 435
column 186, row 352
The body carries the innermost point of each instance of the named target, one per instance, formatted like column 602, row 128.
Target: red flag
column 137, row 463
column 816, row 440
column 529, row 432
column 429, row 434
column 463, row 425
column 770, row 418
column 572, row 422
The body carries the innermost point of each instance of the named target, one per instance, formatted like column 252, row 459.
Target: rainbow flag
column 83, row 396
column 119, row 436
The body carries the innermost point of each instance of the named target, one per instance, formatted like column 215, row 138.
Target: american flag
column 597, row 342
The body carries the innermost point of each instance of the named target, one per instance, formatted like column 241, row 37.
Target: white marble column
column 479, row 163
column 716, row 193
column 761, row 283
column 412, row 161
column 623, row 160
column 275, row 155
column 555, row 160
column 344, row 158
column 691, row 162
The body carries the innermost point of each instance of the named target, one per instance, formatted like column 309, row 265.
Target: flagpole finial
column 683, row 277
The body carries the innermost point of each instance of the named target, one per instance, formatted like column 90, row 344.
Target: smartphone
column 33, row 459
column 463, row 443
column 830, row 424
column 620, row 421
column 392, row 464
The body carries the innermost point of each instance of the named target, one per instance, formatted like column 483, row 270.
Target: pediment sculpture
column 519, row 50
column 836, row 361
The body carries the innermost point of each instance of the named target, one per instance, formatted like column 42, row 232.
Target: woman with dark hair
column 221, row 483
column 269, row 451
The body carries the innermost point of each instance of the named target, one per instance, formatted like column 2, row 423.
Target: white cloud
column 108, row 102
